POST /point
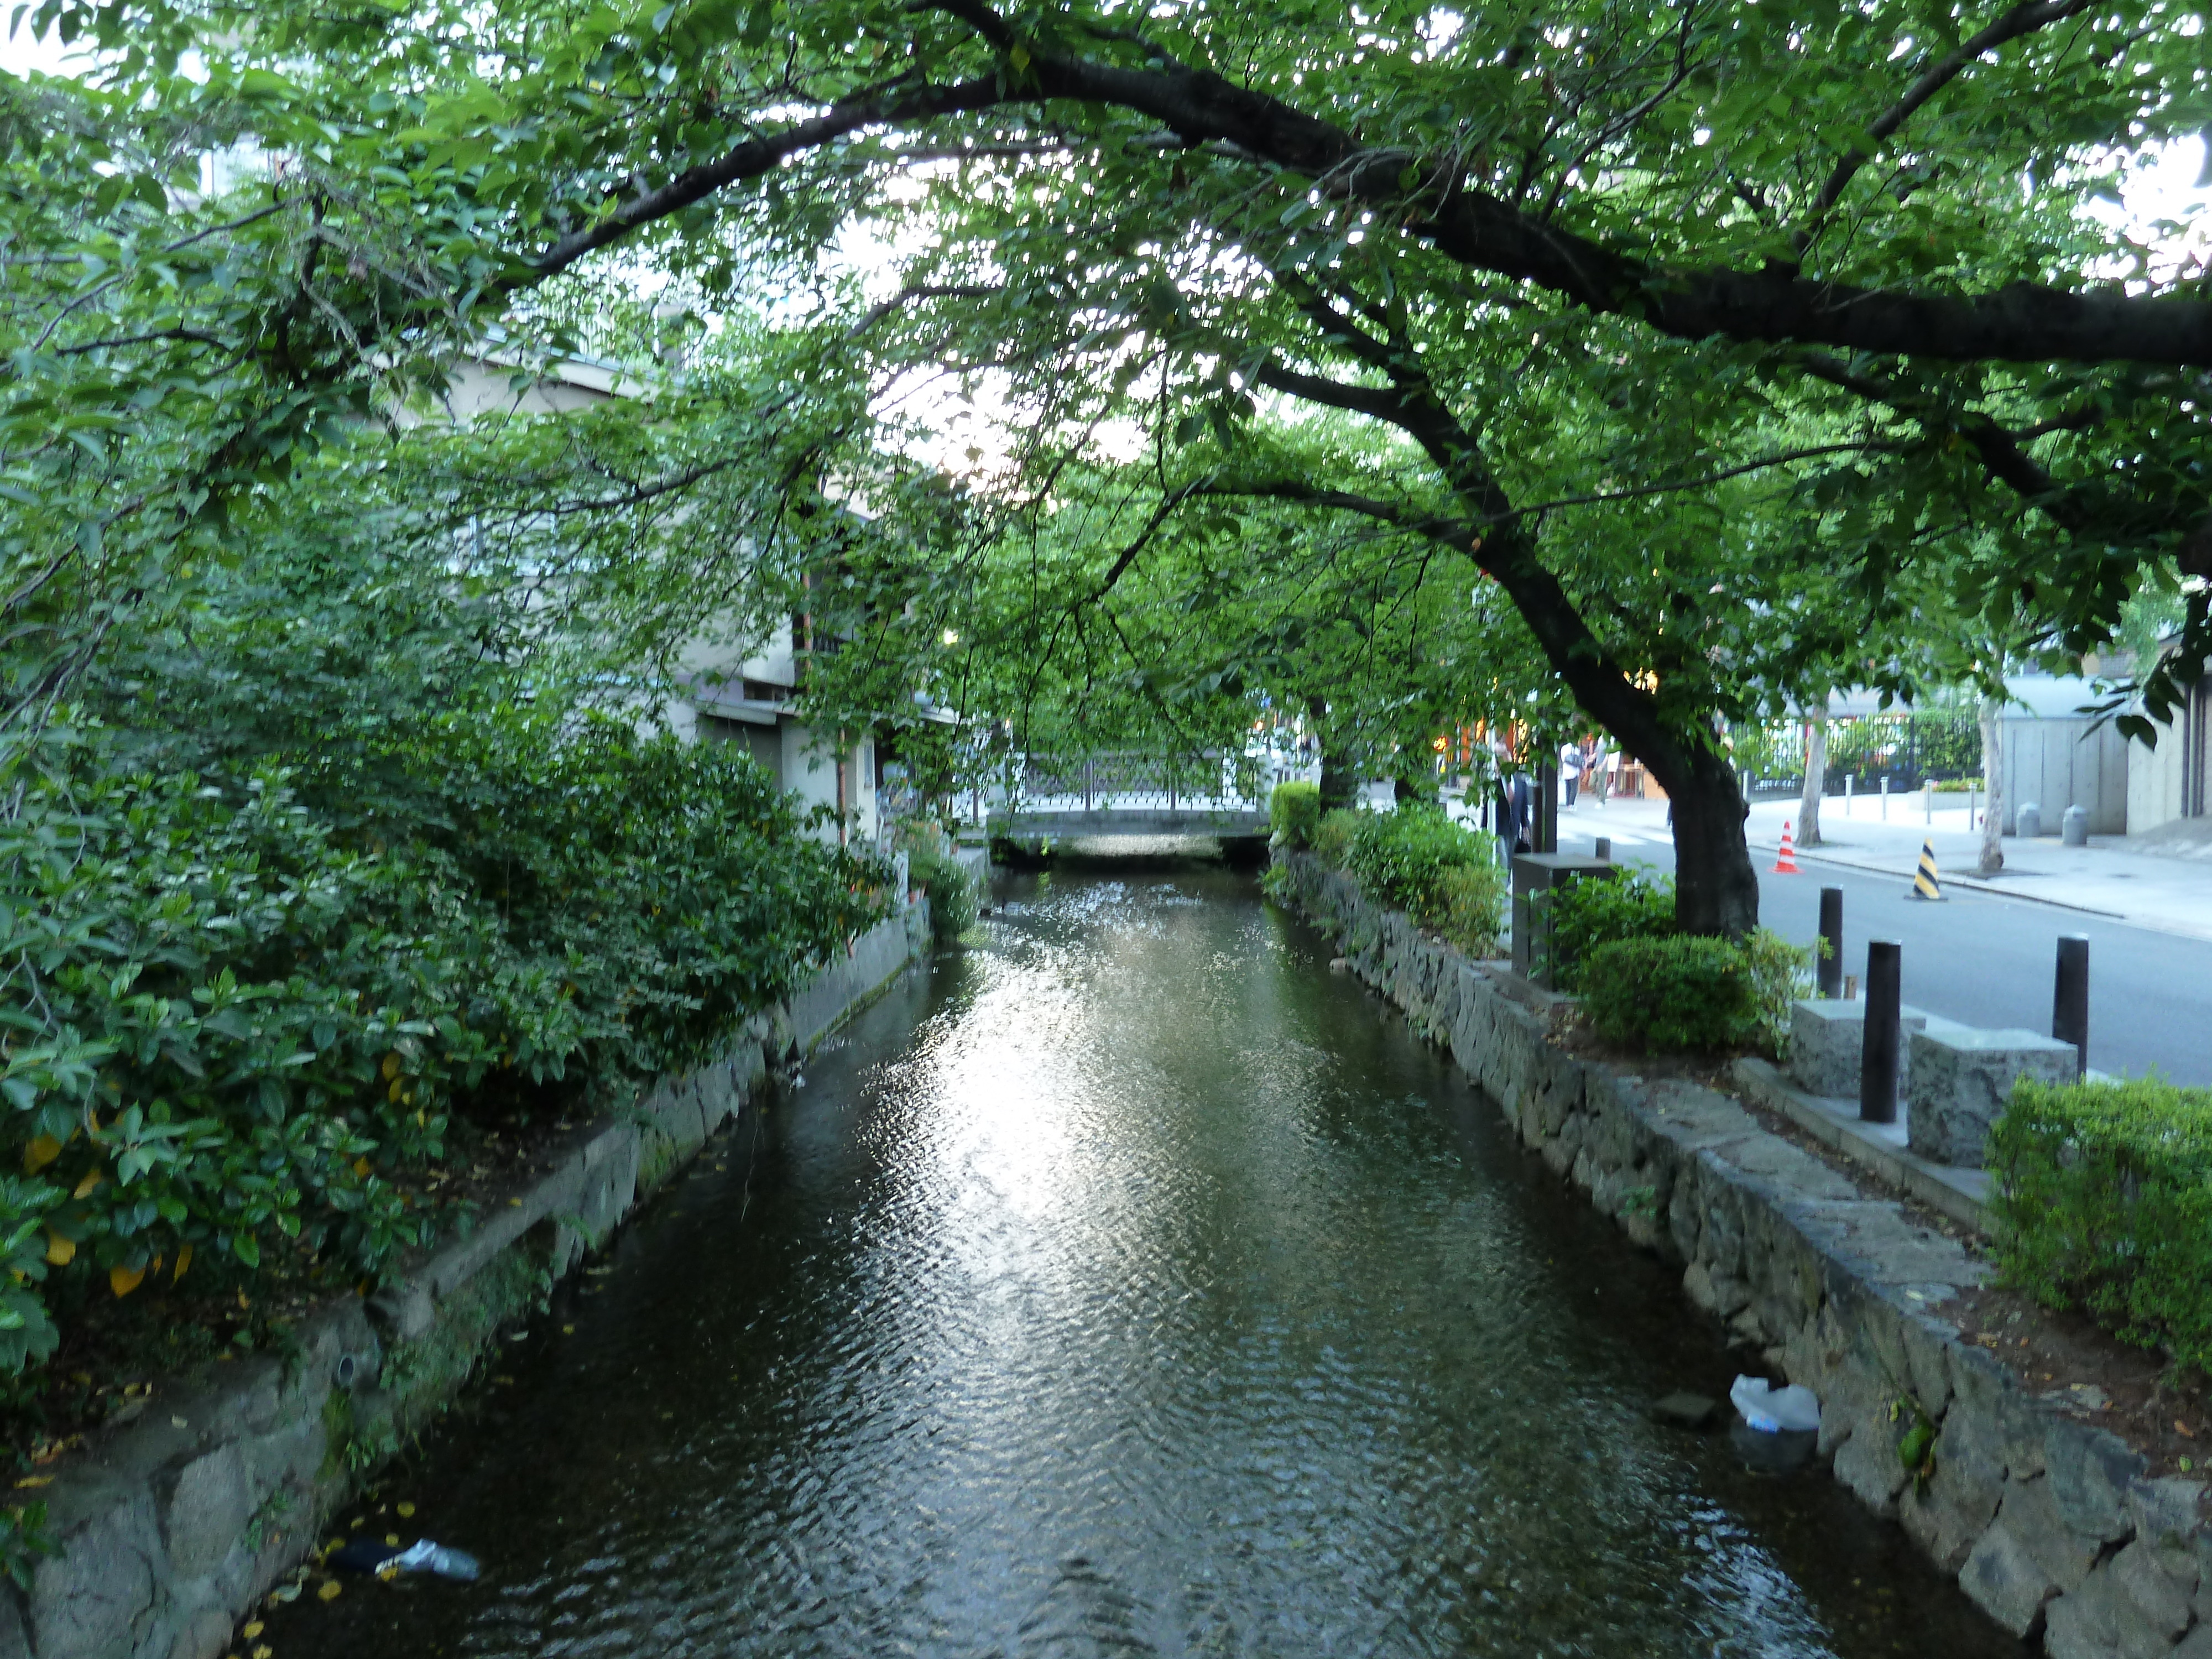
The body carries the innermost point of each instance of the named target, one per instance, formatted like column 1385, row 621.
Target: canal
column 1129, row 1285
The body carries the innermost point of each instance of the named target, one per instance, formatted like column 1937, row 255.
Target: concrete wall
column 2058, row 763
column 171, row 1528
column 2050, row 1524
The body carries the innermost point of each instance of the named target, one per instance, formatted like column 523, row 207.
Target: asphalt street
column 1987, row 960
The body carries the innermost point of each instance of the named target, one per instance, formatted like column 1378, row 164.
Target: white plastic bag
column 1771, row 1410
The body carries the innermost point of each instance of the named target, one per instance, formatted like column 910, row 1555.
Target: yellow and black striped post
column 1924, row 884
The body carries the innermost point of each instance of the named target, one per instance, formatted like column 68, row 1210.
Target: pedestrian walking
column 1601, row 770
column 1570, row 770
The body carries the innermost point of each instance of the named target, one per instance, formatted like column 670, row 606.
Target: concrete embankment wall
column 2050, row 1524
column 170, row 1527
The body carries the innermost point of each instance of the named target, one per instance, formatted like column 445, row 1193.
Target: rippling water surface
column 1129, row 1285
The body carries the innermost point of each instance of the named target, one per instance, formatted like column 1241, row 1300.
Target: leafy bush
column 1294, row 812
column 1397, row 857
column 1470, row 907
column 1576, row 918
column 1687, row 994
column 933, row 865
column 235, row 1028
column 2104, row 1202
column 1442, row 874
column 1332, row 837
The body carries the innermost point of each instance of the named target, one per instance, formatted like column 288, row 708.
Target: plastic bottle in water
column 427, row 1556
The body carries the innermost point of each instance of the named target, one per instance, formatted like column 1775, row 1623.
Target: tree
column 1598, row 184
column 1989, row 715
column 1816, row 778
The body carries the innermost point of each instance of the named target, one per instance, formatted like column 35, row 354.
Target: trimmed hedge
column 1688, row 993
column 2104, row 1202
column 1294, row 812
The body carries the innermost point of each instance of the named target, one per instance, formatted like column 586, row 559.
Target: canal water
column 1128, row 1285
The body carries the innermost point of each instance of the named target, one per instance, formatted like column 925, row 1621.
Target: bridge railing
column 1133, row 783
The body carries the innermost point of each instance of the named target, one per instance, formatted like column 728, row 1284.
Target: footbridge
column 1132, row 796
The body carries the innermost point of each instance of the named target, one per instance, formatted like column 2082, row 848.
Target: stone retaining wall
column 2050, row 1523
column 170, row 1527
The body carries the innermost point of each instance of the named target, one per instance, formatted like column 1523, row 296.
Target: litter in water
column 389, row 1561
column 1773, row 1410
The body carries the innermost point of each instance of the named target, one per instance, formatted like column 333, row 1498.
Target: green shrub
column 1442, row 874
column 1294, row 812
column 253, row 1028
column 933, row 865
column 1780, row 973
column 1687, row 994
column 1577, row 917
column 1470, row 910
column 1332, row 837
column 2104, row 1202
column 1398, row 857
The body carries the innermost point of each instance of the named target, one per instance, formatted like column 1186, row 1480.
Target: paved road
column 1988, row 961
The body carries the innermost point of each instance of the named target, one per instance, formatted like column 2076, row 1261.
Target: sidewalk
column 2108, row 878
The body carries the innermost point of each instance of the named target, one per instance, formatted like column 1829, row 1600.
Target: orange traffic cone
column 1787, row 864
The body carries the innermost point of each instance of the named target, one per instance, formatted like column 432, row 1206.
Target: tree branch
column 1382, row 402
column 1129, row 556
column 759, row 155
column 882, row 308
column 1783, row 459
column 2022, row 322
column 1458, row 534
column 2024, row 19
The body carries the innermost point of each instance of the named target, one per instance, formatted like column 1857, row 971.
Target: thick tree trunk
column 1992, row 858
column 1336, row 779
column 1816, row 782
column 1715, row 889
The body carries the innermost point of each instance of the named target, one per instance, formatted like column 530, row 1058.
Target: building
column 725, row 694
column 750, row 701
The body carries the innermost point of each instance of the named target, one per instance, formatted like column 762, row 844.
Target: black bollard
column 1605, row 848
column 1878, row 1059
column 1830, row 965
column 2070, row 1004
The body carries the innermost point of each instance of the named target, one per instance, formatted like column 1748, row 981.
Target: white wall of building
column 819, row 774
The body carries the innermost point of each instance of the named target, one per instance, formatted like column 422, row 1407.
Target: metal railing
column 1132, row 783
column 1909, row 749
